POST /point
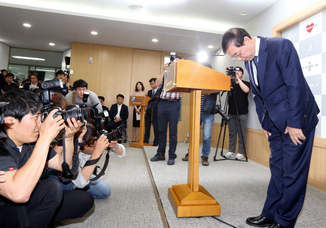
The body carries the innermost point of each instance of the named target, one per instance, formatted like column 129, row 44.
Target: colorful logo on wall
column 310, row 27
column 310, row 66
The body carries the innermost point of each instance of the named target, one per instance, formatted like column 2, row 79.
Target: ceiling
column 184, row 26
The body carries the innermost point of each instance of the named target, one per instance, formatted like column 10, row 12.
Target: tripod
column 223, row 127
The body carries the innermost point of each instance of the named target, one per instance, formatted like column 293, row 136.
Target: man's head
column 80, row 87
column 9, row 78
column 4, row 72
column 33, row 78
column 120, row 99
column 237, row 43
column 101, row 99
column 22, row 115
column 65, row 78
column 60, row 74
column 152, row 83
column 238, row 71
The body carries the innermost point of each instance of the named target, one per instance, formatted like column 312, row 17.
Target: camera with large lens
column 73, row 111
column 118, row 134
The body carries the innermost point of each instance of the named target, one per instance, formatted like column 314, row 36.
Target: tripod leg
column 219, row 138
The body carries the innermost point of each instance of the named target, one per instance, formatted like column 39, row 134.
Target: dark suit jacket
column 124, row 113
column 284, row 92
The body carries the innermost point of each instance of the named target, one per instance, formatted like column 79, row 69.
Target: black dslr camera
column 118, row 134
column 73, row 111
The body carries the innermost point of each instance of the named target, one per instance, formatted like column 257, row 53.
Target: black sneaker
column 157, row 157
column 171, row 161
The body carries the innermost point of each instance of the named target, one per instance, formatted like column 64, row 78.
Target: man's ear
column 9, row 121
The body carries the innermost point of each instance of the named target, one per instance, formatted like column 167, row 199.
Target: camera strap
column 94, row 161
column 73, row 98
column 66, row 171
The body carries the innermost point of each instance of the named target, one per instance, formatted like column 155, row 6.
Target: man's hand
column 72, row 127
column 101, row 144
column 117, row 119
column 266, row 133
column 50, row 128
column 296, row 135
column 2, row 180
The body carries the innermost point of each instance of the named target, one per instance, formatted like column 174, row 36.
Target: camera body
column 231, row 72
column 118, row 134
column 79, row 113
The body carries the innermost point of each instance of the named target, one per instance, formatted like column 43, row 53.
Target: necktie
column 255, row 61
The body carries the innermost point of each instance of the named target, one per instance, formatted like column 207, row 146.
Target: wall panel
column 82, row 69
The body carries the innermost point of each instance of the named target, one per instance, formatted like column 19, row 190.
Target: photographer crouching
column 92, row 145
column 25, row 200
column 238, row 112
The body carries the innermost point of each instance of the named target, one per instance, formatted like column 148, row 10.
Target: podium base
column 139, row 144
column 187, row 203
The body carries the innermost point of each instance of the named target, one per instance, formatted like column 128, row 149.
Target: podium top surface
column 139, row 100
column 186, row 75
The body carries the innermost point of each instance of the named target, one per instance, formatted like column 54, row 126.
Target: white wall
column 262, row 25
column 4, row 56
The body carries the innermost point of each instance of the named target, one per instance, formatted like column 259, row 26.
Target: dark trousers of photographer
column 48, row 203
column 235, row 124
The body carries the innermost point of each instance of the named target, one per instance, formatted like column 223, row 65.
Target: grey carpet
column 240, row 188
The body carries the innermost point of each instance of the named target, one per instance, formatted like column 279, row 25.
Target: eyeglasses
column 238, row 55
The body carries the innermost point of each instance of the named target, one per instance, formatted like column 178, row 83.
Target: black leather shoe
column 276, row 225
column 259, row 221
column 171, row 161
column 158, row 157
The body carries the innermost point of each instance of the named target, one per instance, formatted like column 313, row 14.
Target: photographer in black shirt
column 238, row 113
column 25, row 150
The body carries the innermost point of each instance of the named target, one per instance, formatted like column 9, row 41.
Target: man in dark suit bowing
column 118, row 114
column 152, row 117
column 287, row 111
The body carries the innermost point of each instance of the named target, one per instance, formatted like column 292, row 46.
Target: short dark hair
column 120, row 95
column 10, row 75
column 21, row 102
column 234, row 36
column 142, row 86
column 59, row 72
column 101, row 97
column 80, row 83
column 239, row 68
column 91, row 132
column 152, row 80
column 31, row 74
column 3, row 70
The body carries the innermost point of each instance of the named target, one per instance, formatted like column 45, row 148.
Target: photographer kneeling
column 91, row 150
column 24, row 152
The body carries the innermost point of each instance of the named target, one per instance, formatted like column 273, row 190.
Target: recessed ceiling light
column 28, row 58
column 210, row 46
column 52, row 44
column 27, row 25
column 243, row 13
column 135, row 7
column 94, row 33
column 155, row 40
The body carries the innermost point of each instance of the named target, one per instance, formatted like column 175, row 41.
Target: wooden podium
column 192, row 199
column 140, row 101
